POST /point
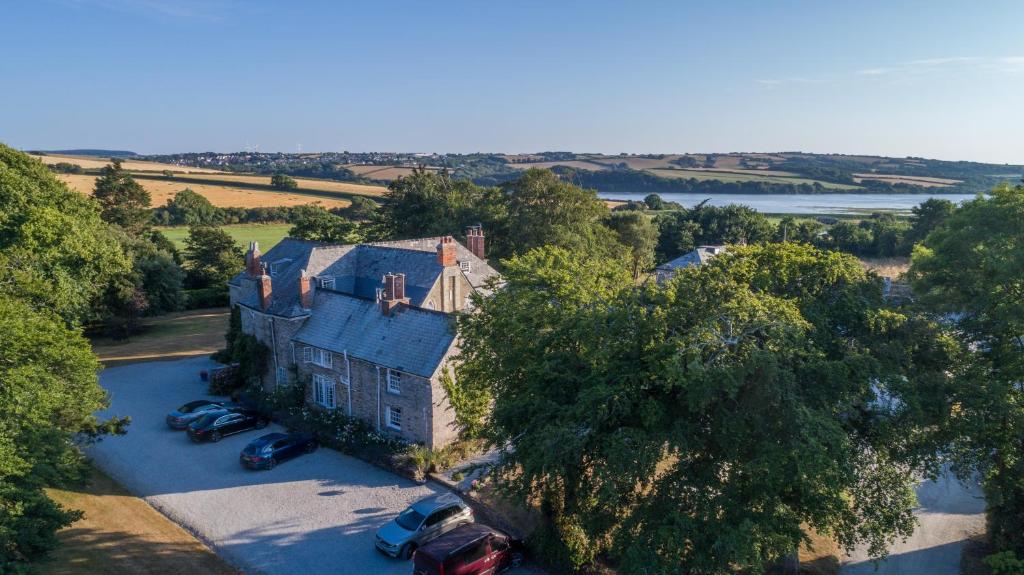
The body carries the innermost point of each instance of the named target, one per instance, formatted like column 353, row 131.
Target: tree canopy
column 123, row 201
column 970, row 269
column 213, row 257
column 312, row 222
column 703, row 425
column 58, row 258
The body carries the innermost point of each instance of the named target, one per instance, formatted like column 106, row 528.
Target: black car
column 269, row 450
column 214, row 425
column 193, row 410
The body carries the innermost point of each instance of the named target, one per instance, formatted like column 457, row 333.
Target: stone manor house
column 368, row 328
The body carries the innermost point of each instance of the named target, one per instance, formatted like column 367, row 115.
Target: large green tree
column 702, row 426
column 639, row 235
column 542, row 209
column 188, row 208
column 55, row 250
column 683, row 230
column 123, row 201
column 313, row 222
column 212, row 257
column 432, row 204
column 57, row 258
column 971, row 269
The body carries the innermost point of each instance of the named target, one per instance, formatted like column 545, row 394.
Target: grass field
column 222, row 196
column 173, row 336
column 384, row 173
column 94, row 163
column 266, row 234
column 122, row 535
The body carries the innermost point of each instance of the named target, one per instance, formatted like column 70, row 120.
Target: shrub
column 215, row 296
column 458, row 476
column 1005, row 563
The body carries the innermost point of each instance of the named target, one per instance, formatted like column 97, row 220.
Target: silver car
column 424, row 520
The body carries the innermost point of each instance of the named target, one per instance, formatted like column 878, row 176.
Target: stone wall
column 370, row 399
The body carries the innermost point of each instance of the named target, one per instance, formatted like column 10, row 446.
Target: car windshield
column 207, row 419
column 190, row 407
column 409, row 519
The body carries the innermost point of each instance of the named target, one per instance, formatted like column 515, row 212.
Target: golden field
column 304, row 183
column 222, row 196
column 92, row 163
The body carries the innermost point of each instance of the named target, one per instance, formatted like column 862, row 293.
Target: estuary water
column 803, row 203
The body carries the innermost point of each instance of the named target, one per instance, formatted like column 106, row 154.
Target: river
column 803, row 203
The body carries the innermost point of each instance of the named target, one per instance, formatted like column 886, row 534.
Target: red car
column 469, row 549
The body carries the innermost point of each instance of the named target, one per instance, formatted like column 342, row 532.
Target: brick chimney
column 394, row 293
column 475, row 240
column 252, row 260
column 446, row 251
column 305, row 290
column 265, row 288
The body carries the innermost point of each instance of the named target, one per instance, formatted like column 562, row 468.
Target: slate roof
column 411, row 339
column 357, row 269
column 697, row 257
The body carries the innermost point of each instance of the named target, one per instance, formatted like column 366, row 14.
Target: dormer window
column 465, row 266
column 327, row 282
column 278, row 266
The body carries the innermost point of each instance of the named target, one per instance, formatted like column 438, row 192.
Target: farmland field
column 740, row 176
column 266, row 234
column 331, row 186
column 913, row 180
column 223, row 196
column 575, row 164
column 383, row 173
column 93, row 163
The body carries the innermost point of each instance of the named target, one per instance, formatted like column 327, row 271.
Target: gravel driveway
column 314, row 514
column 949, row 514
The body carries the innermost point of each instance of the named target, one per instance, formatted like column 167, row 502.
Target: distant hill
column 712, row 173
column 90, row 152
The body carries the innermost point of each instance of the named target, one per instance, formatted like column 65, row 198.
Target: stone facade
column 415, row 407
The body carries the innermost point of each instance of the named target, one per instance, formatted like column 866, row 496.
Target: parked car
column 267, row 451
column 180, row 418
column 424, row 520
column 214, row 425
column 469, row 549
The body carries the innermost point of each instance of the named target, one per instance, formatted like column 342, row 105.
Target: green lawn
column 266, row 234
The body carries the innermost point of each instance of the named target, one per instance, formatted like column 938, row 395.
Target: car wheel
column 271, row 463
column 407, row 551
column 215, row 436
column 311, row 447
column 261, row 423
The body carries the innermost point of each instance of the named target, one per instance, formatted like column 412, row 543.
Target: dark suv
column 193, row 410
column 216, row 424
column 469, row 549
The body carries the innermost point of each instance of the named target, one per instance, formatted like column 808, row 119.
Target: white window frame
column 322, row 357
column 307, row 354
column 281, row 377
column 323, row 391
column 391, row 413
column 394, row 382
column 466, row 266
column 327, row 282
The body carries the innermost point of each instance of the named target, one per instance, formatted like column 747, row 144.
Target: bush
column 1005, row 563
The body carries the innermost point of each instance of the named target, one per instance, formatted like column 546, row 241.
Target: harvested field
column 750, row 176
column 922, row 181
column 92, row 163
column 225, row 196
column 636, row 162
column 385, row 173
column 331, row 186
column 574, row 164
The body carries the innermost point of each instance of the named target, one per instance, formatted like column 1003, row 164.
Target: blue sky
column 936, row 79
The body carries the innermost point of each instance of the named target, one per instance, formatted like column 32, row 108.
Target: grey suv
column 422, row 521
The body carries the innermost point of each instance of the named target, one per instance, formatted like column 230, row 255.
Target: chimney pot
column 394, row 293
column 265, row 290
column 252, row 259
column 305, row 290
column 446, row 251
